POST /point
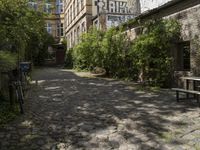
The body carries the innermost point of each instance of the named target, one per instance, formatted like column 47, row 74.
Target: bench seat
column 196, row 93
column 186, row 91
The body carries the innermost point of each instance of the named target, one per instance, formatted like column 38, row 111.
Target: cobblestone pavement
column 68, row 111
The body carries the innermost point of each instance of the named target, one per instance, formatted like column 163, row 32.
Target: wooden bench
column 195, row 93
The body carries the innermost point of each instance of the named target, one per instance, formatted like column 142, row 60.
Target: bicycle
column 19, row 94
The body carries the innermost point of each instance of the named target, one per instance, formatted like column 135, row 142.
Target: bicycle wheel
column 20, row 99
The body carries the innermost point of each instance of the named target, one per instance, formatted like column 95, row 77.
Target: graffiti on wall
column 113, row 6
column 115, row 20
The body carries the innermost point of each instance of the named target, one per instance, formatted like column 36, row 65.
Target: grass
column 168, row 136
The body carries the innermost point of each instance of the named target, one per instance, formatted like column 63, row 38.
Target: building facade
column 80, row 15
column 54, row 16
column 108, row 13
column 77, row 19
column 186, row 50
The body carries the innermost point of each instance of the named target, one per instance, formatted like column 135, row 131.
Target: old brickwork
column 186, row 12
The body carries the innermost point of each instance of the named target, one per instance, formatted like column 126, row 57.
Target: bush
column 147, row 57
column 22, row 31
column 152, row 50
column 8, row 61
column 69, row 59
column 87, row 54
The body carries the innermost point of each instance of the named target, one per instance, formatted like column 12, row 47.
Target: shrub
column 87, row 54
column 69, row 59
column 147, row 57
column 8, row 61
column 152, row 50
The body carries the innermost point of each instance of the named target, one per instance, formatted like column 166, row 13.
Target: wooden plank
column 191, row 78
column 186, row 91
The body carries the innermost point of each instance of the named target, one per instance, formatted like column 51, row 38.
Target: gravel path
column 68, row 111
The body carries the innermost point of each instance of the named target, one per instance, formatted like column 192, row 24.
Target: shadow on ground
column 65, row 111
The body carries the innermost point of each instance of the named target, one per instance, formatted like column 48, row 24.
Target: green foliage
column 22, row 38
column 87, row 54
column 129, row 24
column 152, row 50
column 147, row 57
column 22, row 30
column 116, row 59
column 7, row 113
column 8, row 61
column 69, row 59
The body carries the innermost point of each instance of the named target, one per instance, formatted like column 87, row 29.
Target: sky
column 150, row 4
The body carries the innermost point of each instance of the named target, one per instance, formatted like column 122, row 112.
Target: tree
column 152, row 50
column 22, row 29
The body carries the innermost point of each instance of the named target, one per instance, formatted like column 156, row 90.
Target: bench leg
column 177, row 96
column 187, row 87
column 198, row 100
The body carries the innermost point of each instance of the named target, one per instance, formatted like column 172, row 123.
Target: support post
column 177, row 96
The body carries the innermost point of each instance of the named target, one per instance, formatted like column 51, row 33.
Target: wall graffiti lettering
column 113, row 6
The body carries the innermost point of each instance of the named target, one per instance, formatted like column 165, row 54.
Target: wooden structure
column 194, row 89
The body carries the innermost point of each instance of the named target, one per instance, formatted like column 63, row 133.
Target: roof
column 189, row 3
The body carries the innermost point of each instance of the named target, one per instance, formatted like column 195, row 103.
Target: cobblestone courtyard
column 66, row 110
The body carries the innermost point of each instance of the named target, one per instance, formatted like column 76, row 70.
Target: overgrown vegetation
column 146, row 58
column 22, row 38
column 22, row 31
column 7, row 113
column 8, row 61
column 151, row 51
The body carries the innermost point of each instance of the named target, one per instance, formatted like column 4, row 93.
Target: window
column 59, row 6
column 49, row 27
column 78, row 33
column 75, row 36
column 47, row 7
column 83, row 27
column 33, row 4
column 70, row 13
column 71, row 39
column 183, row 56
column 73, row 9
column 77, row 5
column 60, row 29
column 81, row 4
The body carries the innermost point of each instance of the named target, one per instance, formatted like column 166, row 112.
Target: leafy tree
column 152, row 50
column 87, row 54
column 147, row 57
column 115, row 48
column 22, row 30
column 8, row 61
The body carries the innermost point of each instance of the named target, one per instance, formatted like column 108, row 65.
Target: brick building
column 54, row 18
column 80, row 15
column 108, row 13
column 54, row 15
column 186, row 51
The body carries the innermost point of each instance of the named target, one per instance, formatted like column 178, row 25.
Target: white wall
column 150, row 4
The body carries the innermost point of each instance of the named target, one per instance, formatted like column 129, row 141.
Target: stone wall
column 187, row 13
column 190, row 31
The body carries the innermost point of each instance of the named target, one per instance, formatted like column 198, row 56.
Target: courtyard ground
column 70, row 110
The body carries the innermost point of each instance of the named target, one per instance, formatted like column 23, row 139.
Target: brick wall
column 187, row 13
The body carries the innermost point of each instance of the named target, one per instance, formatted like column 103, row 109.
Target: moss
column 168, row 136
